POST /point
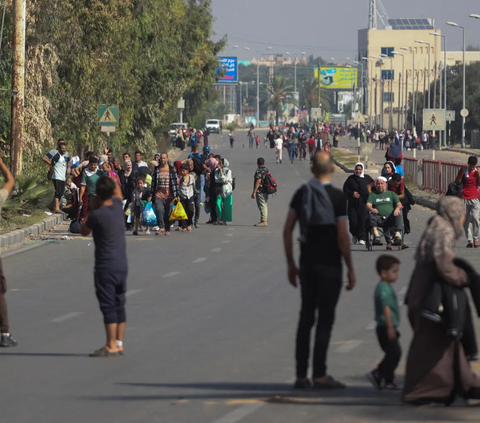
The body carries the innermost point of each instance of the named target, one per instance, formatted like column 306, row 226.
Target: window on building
column 388, row 97
column 388, row 74
column 388, row 51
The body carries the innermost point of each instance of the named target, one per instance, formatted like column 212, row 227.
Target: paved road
column 211, row 324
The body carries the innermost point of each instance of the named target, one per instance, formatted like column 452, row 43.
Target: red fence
column 432, row 175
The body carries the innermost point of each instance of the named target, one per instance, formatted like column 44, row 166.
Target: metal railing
column 431, row 175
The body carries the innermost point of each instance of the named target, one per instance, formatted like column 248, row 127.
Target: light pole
column 390, row 115
column 362, row 87
column 414, row 105
column 463, row 88
column 429, row 49
column 437, row 34
column 366, row 104
column 374, row 109
column 401, row 100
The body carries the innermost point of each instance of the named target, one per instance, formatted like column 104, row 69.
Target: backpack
column 198, row 162
column 233, row 181
column 75, row 226
column 269, row 184
column 394, row 152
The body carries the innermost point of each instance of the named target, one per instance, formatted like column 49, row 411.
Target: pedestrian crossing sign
column 434, row 119
column 108, row 115
column 450, row 115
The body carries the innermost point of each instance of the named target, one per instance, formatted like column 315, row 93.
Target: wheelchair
column 382, row 231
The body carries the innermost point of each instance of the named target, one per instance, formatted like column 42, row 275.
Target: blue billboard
column 227, row 71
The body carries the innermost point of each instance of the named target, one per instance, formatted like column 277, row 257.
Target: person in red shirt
column 470, row 178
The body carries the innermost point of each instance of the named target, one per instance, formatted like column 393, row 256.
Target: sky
column 327, row 28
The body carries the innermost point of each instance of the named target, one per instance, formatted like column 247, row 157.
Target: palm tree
column 279, row 93
column 309, row 92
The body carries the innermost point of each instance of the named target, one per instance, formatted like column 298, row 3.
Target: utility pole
column 18, row 87
column 319, row 87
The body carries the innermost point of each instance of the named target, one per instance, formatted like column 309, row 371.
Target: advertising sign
column 337, row 78
column 227, row 71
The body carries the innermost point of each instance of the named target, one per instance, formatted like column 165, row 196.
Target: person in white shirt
column 278, row 149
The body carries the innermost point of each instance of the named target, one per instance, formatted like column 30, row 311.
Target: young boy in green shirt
column 387, row 316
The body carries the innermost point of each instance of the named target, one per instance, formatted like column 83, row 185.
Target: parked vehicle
column 174, row 126
column 214, row 125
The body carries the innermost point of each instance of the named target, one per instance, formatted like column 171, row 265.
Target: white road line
column 132, row 292
column 243, row 411
column 171, row 274
column 67, row 316
column 216, row 250
column 345, row 348
column 228, row 234
column 199, row 260
column 239, row 413
column 230, row 229
column 226, row 242
column 372, row 325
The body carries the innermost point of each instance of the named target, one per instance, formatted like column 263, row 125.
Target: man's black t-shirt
column 322, row 247
column 108, row 226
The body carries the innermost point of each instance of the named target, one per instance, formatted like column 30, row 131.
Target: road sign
column 108, row 115
column 359, row 118
column 450, row 115
column 464, row 113
column 107, row 128
column 433, row 119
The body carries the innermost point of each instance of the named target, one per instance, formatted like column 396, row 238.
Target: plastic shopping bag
column 148, row 216
column 178, row 212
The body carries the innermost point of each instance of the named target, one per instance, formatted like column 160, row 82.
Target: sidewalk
column 376, row 158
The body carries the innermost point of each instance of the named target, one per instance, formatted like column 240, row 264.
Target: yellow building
column 395, row 64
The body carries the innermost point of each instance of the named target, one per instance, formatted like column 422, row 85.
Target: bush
column 232, row 126
column 27, row 196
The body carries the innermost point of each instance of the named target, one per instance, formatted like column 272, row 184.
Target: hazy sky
column 328, row 28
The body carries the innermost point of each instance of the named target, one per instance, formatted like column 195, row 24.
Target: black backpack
column 75, row 226
column 269, row 184
column 198, row 162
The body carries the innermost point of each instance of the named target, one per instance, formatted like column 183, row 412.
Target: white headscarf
column 363, row 169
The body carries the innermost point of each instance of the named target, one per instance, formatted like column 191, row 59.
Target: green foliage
column 232, row 126
column 27, row 195
column 280, row 94
column 143, row 55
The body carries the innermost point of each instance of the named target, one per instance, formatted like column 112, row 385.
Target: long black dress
column 357, row 207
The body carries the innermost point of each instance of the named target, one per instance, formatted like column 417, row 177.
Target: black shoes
column 375, row 379
column 8, row 341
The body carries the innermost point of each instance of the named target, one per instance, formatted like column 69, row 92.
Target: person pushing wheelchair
column 385, row 211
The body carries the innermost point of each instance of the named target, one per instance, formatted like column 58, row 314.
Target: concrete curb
column 421, row 201
column 459, row 150
column 19, row 235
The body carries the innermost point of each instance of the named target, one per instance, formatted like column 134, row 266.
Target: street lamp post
column 401, row 100
column 437, row 34
column 463, row 88
column 390, row 114
column 362, row 90
column 429, row 49
column 414, row 105
column 371, row 93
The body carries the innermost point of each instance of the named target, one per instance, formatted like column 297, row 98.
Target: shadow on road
column 43, row 354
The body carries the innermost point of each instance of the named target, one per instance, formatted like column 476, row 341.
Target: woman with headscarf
column 224, row 202
column 430, row 375
column 388, row 170
column 356, row 189
column 211, row 190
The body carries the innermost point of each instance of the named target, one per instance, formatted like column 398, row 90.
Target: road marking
column 171, row 274
column 245, row 410
column 67, row 316
column 228, row 234
column 132, row 292
column 372, row 325
column 345, row 348
column 226, row 242
column 199, row 260
column 216, row 250
column 230, row 229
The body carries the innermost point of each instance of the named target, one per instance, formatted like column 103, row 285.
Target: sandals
column 160, row 231
column 103, row 352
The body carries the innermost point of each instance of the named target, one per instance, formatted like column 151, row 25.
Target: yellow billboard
column 337, row 78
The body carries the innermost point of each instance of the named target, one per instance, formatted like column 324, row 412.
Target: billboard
column 337, row 78
column 228, row 67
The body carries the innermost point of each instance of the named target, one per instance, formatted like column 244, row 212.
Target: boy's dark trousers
column 189, row 207
column 393, row 353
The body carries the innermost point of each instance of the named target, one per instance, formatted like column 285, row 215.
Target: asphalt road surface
column 211, row 326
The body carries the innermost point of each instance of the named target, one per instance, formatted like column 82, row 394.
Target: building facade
column 395, row 65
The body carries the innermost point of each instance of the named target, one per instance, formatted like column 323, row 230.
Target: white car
column 214, row 125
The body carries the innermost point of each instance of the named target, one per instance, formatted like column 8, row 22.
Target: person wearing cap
column 385, row 208
column 89, row 181
column 59, row 161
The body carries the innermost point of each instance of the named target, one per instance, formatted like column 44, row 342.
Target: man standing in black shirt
column 321, row 210
column 107, row 222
